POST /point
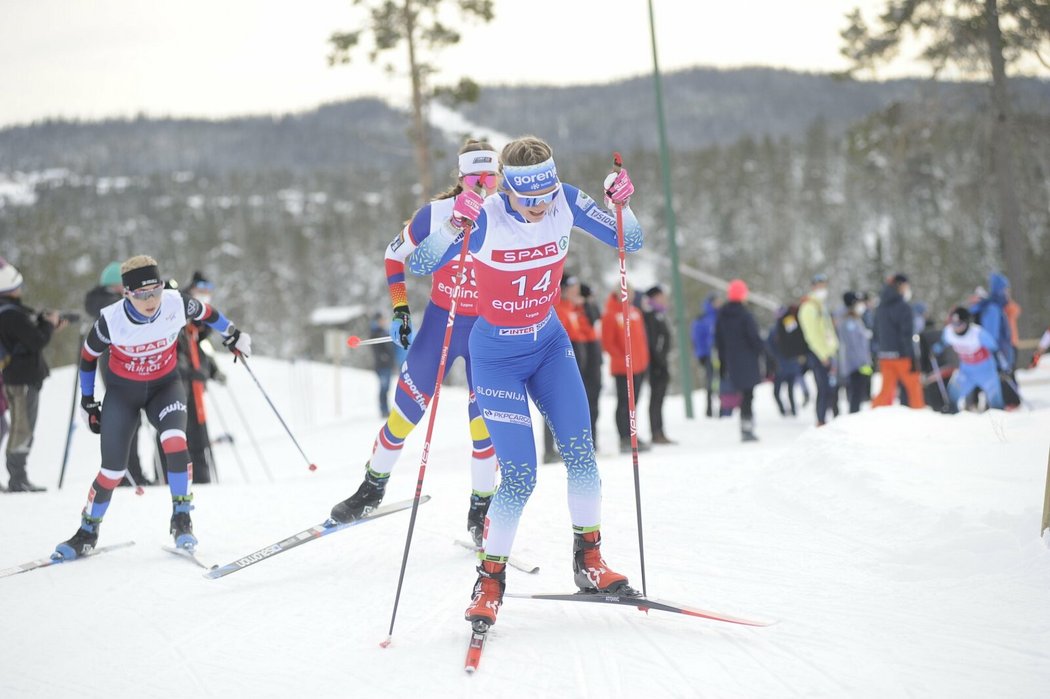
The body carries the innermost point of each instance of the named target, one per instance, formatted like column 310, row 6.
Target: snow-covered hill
column 898, row 550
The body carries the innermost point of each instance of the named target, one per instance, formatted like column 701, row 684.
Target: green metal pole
column 684, row 353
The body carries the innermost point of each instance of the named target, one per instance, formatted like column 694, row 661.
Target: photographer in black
column 23, row 336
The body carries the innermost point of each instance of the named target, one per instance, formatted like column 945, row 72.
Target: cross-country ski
column 642, row 603
column 54, row 560
column 307, row 535
column 190, row 555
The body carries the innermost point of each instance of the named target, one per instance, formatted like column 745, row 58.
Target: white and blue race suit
column 977, row 350
column 520, row 350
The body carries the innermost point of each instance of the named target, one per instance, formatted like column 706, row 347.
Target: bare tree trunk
column 1011, row 237
column 420, row 135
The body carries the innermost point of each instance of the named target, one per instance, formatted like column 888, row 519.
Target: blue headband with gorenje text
column 526, row 179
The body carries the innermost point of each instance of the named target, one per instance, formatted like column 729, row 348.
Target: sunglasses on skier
column 146, row 294
column 529, row 202
column 484, row 180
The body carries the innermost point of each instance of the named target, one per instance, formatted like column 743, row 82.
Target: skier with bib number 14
column 519, row 350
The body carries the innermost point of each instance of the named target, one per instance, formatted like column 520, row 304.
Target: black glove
column 240, row 343
column 91, row 411
column 401, row 327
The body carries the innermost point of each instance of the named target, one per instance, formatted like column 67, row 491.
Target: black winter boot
column 19, row 482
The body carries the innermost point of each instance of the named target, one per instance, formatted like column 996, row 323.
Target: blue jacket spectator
column 704, row 328
column 703, row 334
column 989, row 314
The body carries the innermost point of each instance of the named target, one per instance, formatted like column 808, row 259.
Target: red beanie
column 736, row 291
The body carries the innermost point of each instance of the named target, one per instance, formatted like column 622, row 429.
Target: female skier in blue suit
column 519, row 239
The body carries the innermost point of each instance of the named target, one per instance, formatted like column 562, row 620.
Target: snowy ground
column 898, row 550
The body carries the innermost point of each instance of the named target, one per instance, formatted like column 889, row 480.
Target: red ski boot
column 592, row 574
column 488, row 593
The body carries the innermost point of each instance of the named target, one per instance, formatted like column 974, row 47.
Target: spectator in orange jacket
column 614, row 344
column 1012, row 311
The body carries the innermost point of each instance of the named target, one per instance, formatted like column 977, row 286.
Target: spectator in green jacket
column 823, row 341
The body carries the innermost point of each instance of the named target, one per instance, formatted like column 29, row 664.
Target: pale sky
column 214, row 58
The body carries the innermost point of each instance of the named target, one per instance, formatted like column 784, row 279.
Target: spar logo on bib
column 528, row 254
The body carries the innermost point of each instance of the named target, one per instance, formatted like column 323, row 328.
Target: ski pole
column 355, row 341
column 72, row 409
column 311, row 465
column 631, row 412
column 251, row 435
column 940, row 380
column 456, row 290
column 131, row 479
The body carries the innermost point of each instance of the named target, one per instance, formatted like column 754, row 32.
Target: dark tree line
column 901, row 188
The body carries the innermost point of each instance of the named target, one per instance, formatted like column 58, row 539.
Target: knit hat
column 736, row 291
column 10, row 279
column 110, row 275
column 849, row 298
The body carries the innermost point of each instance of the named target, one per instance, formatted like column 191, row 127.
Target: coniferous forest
column 775, row 175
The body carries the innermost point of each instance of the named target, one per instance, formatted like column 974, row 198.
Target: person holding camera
column 23, row 335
